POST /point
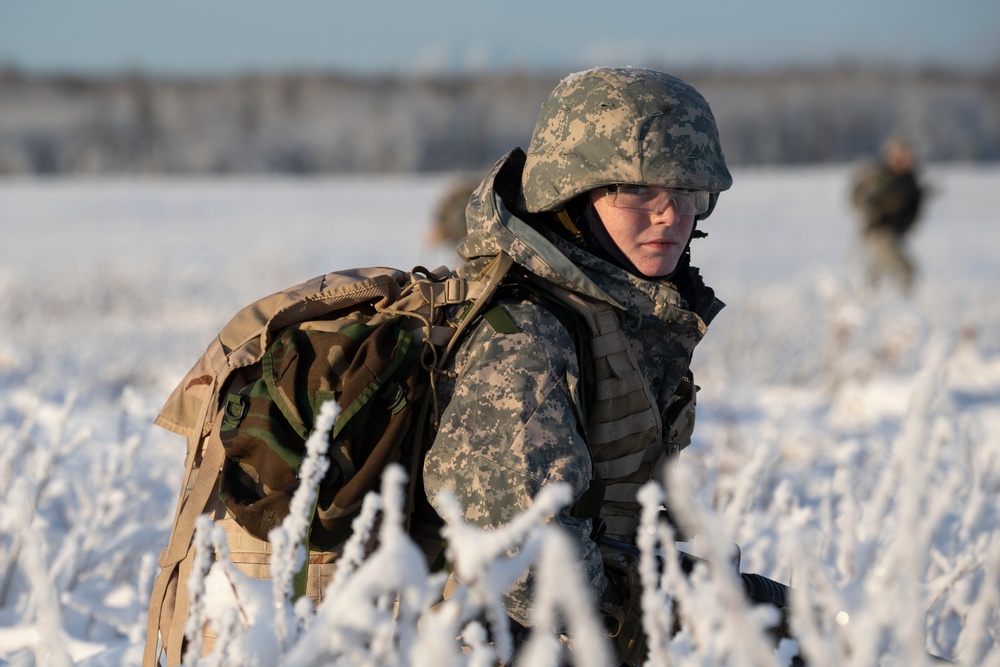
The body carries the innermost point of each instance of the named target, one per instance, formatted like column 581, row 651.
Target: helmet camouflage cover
column 622, row 125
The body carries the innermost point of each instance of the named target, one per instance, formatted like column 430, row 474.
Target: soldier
column 448, row 224
column 598, row 216
column 887, row 197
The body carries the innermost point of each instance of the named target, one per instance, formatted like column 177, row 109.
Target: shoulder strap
column 193, row 503
column 491, row 278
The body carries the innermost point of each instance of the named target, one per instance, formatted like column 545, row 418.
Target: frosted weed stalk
column 75, row 554
column 25, row 586
column 872, row 489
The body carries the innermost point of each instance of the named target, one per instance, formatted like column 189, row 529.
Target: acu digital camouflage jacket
column 513, row 414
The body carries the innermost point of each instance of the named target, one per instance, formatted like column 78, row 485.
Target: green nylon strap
column 238, row 404
column 271, row 389
column 301, row 577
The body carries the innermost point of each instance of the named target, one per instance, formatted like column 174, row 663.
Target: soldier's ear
column 713, row 198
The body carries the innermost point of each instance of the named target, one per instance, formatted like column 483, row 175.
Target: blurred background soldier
column 448, row 225
column 887, row 197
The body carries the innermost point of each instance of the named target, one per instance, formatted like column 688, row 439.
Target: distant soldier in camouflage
column 888, row 197
column 448, row 224
column 599, row 215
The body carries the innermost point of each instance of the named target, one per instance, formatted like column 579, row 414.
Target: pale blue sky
column 225, row 36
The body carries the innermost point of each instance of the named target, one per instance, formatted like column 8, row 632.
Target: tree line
column 324, row 122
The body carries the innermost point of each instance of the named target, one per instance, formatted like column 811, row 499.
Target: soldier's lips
column 660, row 244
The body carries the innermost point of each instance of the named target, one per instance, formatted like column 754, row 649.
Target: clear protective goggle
column 654, row 198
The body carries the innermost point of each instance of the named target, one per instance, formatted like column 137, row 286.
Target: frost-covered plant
column 892, row 550
column 75, row 561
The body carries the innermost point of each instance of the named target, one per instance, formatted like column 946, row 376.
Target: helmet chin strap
column 575, row 234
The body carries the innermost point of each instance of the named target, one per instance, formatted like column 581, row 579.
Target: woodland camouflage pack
column 371, row 339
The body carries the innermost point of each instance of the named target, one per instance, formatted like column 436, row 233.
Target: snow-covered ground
column 848, row 441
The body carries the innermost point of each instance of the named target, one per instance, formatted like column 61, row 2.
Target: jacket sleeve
column 514, row 424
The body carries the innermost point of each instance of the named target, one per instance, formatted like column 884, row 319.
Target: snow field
column 847, row 441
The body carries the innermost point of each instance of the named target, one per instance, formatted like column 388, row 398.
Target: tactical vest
column 629, row 438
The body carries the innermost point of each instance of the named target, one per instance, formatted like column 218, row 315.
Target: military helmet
column 622, row 125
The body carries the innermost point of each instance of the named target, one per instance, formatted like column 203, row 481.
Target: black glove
column 621, row 606
column 615, row 594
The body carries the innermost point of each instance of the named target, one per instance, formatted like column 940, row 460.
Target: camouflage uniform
column 888, row 199
column 514, row 410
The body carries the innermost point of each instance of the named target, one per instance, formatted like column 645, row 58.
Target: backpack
column 374, row 340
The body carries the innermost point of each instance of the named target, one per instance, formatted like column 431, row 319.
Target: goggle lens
column 658, row 199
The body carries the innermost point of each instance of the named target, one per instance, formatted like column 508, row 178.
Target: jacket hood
column 497, row 220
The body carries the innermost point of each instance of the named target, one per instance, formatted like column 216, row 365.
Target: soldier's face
column 900, row 159
column 654, row 242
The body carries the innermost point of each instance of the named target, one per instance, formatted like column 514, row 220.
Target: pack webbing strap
column 589, row 505
column 494, row 274
column 175, row 651
column 150, row 656
column 180, row 543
